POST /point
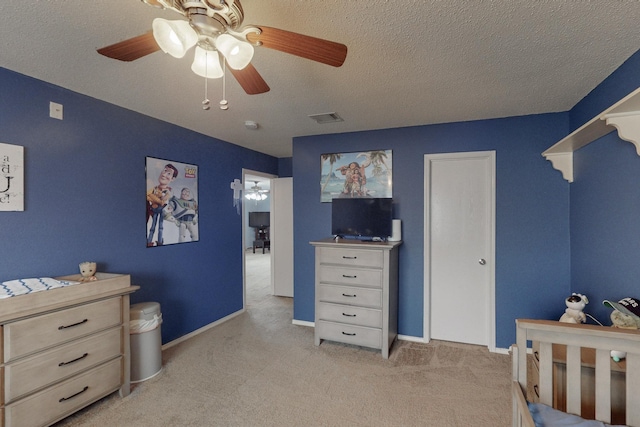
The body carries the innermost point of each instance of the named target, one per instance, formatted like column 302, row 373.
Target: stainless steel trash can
column 146, row 340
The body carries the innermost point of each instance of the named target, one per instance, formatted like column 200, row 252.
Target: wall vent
column 326, row 118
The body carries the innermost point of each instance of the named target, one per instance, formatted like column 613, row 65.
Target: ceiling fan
column 256, row 192
column 215, row 27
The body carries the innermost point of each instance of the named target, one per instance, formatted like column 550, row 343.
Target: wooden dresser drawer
column 350, row 295
column 30, row 335
column 350, row 334
column 350, row 276
column 31, row 373
column 350, row 314
column 64, row 398
column 351, row 257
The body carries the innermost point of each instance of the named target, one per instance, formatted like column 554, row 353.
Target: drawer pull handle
column 536, row 355
column 350, row 296
column 351, row 335
column 349, row 277
column 535, row 389
column 74, row 360
column 74, row 395
column 71, row 326
column 348, row 315
column 349, row 257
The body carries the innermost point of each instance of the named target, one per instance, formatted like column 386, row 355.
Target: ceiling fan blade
column 250, row 80
column 131, row 49
column 315, row 49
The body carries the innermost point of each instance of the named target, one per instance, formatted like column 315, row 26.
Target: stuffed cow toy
column 575, row 304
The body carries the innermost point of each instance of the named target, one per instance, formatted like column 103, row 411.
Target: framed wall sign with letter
column 11, row 177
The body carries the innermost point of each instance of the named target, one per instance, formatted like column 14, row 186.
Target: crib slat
column 546, row 373
column 574, row 365
column 633, row 389
column 521, row 343
column 603, row 386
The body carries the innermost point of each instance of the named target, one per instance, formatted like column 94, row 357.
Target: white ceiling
column 410, row 62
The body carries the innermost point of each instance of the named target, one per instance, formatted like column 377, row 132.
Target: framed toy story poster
column 172, row 202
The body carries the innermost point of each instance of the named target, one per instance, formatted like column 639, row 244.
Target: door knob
column 482, row 261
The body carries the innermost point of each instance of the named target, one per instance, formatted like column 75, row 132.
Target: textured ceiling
column 409, row 62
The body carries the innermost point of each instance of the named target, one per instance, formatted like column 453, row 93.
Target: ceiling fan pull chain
column 206, row 103
column 224, row 104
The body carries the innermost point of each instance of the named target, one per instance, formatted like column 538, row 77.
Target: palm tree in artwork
column 378, row 159
column 333, row 158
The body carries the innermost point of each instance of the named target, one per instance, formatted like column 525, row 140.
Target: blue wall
column 85, row 201
column 285, row 167
column 85, row 183
column 532, row 213
column 605, row 203
column 552, row 238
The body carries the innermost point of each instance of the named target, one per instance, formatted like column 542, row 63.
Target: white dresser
column 357, row 292
column 63, row 349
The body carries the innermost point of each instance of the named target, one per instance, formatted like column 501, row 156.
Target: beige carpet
column 260, row 370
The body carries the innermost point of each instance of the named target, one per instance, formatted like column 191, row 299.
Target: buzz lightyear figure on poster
column 184, row 212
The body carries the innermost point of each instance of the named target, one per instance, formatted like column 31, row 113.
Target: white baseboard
column 424, row 341
column 294, row 322
column 412, row 339
column 303, row 323
column 201, row 330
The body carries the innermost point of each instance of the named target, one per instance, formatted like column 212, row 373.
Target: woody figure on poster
column 157, row 199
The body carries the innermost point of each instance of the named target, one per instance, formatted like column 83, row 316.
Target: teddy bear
column 575, row 304
column 88, row 271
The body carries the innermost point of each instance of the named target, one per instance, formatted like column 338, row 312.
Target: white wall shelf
column 623, row 116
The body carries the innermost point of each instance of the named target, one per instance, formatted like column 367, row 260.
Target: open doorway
column 256, row 237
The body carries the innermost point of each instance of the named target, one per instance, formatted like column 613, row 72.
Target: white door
column 282, row 236
column 459, row 247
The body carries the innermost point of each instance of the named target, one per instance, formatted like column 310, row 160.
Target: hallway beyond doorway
column 258, row 276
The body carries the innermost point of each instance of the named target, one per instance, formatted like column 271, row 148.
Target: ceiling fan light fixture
column 206, row 63
column 174, row 37
column 255, row 196
column 256, row 193
column 237, row 52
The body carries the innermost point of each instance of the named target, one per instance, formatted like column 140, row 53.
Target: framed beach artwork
column 172, row 202
column 357, row 174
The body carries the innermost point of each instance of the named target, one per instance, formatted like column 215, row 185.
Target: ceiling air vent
column 326, row 118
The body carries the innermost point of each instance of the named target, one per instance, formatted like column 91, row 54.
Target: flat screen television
column 364, row 218
column 259, row 219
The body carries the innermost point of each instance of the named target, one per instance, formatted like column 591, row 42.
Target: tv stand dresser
column 356, row 292
column 63, row 349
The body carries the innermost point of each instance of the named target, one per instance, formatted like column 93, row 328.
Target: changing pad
column 16, row 287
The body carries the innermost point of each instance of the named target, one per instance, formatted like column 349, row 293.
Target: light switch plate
column 55, row 110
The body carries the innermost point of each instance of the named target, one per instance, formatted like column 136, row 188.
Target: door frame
column 491, row 263
column 282, row 242
column 245, row 173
